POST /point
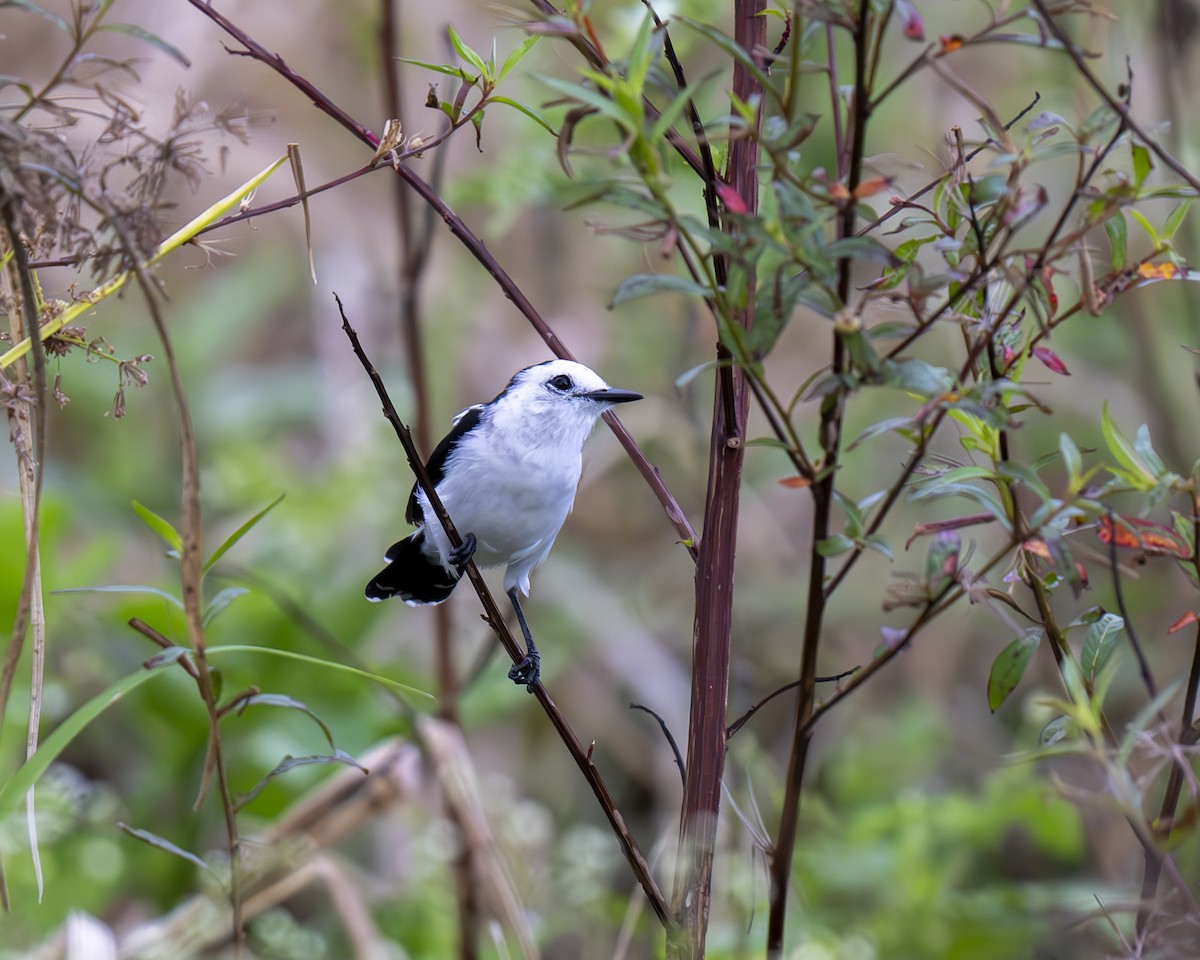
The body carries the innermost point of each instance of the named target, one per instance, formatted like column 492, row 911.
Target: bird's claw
column 464, row 551
column 528, row 672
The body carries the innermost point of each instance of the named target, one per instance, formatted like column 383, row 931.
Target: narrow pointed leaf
column 154, row 840
column 221, row 602
column 159, row 526
column 240, row 532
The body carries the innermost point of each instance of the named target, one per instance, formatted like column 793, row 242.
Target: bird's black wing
column 464, row 423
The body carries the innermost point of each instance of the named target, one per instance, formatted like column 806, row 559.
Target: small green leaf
column 1175, row 219
column 154, row 840
column 318, row 662
column 446, row 68
column 1072, row 459
column 1009, row 667
column 644, row 284
column 832, row 546
column 287, row 703
column 240, row 532
column 1098, row 646
column 220, row 603
column 470, row 56
column 1147, row 226
column 159, row 526
column 1118, row 239
column 1132, row 468
column 520, row 107
column 517, row 54
column 126, row 588
column 1142, row 165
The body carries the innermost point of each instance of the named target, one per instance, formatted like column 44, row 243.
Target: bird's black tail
column 411, row 575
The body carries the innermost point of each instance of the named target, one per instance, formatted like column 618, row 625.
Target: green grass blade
column 240, row 532
column 31, row 770
column 319, row 662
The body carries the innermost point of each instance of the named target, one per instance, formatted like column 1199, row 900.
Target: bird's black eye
column 561, row 382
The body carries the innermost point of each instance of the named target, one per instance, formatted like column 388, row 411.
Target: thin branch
column 1121, row 109
column 741, row 721
column 670, row 739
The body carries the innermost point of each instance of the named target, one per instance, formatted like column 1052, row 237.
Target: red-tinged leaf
column 910, row 20
column 1051, row 360
column 838, row 192
column 1048, row 283
column 1190, row 617
column 1037, row 547
column 951, row 42
column 796, row 483
column 872, row 186
column 954, row 523
column 732, row 199
column 1080, row 569
column 1151, row 538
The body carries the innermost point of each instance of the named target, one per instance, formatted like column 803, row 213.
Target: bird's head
column 560, row 397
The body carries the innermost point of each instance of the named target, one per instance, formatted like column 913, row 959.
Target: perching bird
column 507, row 473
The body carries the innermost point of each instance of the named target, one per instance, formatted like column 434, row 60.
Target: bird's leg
column 463, row 552
column 529, row 670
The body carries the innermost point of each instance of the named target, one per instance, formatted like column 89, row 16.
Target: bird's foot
column 527, row 672
column 464, row 551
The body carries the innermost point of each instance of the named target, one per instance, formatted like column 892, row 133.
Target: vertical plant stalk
column 28, row 429
column 713, row 626
column 832, row 412
column 191, row 577
column 415, row 236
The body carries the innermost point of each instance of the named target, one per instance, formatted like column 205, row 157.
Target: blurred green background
column 921, row 837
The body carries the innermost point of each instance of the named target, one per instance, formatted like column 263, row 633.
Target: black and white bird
column 507, row 473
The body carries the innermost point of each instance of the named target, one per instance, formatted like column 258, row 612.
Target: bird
column 507, row 473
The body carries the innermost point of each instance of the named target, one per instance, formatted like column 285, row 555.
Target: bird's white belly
column 515, row 509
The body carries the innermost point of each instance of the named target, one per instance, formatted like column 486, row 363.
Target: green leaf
column 446, row 68
column 290, row 763
column 240, row 532
column 154, row 840
column 517, row 54
column 1175, row 219
column 49, row 749
column 832, row 546
column 126, row 588
column 1118, row 239
column 1142, row 165
column 733, row 49
column 159, row 526
column 287, row 703
column 1072, row 459
column 318, row 662
column 221, row 602
column 520, row 107
column 1098, row 645
column 1147, row 226
column 1132, row 468
column 880, row 428
column 1009, row 667
column 644, row 284
column 133, row 30
column 470, row 56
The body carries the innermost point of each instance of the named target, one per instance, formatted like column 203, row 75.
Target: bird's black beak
column 613, row 396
